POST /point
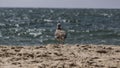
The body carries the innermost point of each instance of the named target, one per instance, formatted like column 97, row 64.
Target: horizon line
column 63, row 7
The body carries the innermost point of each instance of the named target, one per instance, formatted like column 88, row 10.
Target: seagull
column 60, row 34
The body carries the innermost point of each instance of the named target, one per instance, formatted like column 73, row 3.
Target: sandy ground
column 60, row 56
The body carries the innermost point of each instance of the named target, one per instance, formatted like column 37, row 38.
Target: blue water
column 36, row 26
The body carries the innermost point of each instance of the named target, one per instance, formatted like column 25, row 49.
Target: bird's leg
column 63, row 42
column 58, row 42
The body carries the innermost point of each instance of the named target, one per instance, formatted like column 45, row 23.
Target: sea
column 36, row 26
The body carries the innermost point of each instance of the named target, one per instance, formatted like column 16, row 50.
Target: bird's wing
column 60, row 33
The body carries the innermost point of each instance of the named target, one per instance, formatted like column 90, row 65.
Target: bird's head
column 58, row 26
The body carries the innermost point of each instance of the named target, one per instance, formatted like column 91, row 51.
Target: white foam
column 36, row 34
column 71, row 31
column 48, row 20
column 17, row 25
column 1, row 24
column 30, row 11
